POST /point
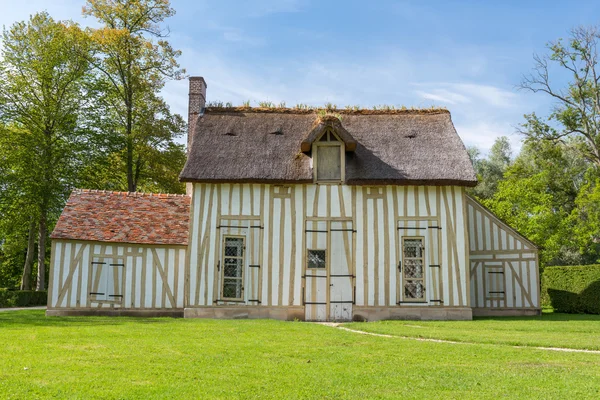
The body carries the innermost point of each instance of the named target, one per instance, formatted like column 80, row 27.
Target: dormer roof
column 321, row 125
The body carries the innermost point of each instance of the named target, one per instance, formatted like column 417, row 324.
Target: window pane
column 414, row 290
column 329, row 163
column 232, row 288
column 234, row 247
column 316, row 258
column 233, row 267
column 413, row 268
column 413, row 248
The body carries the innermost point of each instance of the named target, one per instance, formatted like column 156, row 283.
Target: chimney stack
column 196, row 105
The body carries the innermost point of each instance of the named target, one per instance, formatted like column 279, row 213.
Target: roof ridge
column 342, row 111
column 131, row 194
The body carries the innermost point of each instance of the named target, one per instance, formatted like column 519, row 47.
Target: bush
column 22, row 298
column 573, row 289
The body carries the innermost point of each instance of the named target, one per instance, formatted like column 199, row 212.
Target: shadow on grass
column 38, row 318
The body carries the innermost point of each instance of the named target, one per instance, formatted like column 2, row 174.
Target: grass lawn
column 103, row 357
column 549, row 330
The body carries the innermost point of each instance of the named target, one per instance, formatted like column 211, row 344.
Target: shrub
column 22, row 298
column 572, row 289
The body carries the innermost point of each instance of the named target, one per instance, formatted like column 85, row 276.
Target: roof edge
column 507, row 225
column 383, row 182
column 119, row 242
column 131, row 194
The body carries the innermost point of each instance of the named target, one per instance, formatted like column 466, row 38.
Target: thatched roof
column 124, row 217
column 397, row 147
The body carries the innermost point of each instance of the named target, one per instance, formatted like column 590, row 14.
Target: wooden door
column 341, row 293
column 315, row 271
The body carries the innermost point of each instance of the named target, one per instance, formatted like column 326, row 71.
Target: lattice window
column 413, row 271
column 233, row 267
column 316, row 258
column 414, row 290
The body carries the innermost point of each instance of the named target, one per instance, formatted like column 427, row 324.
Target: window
column 233, row 268
column 414, row 273
column 328, row 158
column 495, row 282
column 316, row 258
column 106, row 280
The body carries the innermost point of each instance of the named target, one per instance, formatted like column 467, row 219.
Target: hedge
column 22, row 298
column 572, row 289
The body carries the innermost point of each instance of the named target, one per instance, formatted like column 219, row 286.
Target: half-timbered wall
column 89, row 275
column 274, row 224
column 503, row 264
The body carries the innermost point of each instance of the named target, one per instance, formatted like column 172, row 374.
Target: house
column 299, row 214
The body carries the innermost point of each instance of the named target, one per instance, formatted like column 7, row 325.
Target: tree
column 576, row 114
column 538, row 197
column 490, row 170
column 43, row 75
column 135, row 61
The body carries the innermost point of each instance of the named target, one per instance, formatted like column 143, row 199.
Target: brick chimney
column 195, row 108
column 196, row 105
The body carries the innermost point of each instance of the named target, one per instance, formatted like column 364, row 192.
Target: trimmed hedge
column 572, row 289
column 22, row 298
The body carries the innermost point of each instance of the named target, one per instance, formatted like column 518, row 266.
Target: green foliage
column 576, row 113
column 44, row 92
column 266, row 104
column 538, row 198
column 82, row 109
column 490, row 171
column 133, row 61
column 572, row 289
column 22, row 298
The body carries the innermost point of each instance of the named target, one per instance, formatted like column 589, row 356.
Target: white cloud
column 443, row 96
column 492, row 95
column 455, row 93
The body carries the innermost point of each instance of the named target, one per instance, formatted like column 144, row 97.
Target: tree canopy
column 81, row 108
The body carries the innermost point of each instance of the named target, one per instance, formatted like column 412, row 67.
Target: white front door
column 341, row 293
column 328, row 276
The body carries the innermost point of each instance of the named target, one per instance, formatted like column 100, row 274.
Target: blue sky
column 467, row 56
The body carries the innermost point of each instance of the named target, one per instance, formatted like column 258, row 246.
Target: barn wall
column 147, row 277
column 380, row 215
column 504, row 266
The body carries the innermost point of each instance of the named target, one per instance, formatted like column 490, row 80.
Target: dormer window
column 327, row 144
column 328, row 158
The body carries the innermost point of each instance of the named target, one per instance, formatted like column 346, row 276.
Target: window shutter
column 329, row 163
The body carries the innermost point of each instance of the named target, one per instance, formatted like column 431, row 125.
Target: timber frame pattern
column 151, row 281
column 376, row 219
column 503, row 266
column 472, row 262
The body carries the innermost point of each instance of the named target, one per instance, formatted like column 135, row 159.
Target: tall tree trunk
column 26, row 278
column 41, row 275
column 131, row 186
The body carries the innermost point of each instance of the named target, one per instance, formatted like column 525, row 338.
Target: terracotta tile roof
column 125, row 217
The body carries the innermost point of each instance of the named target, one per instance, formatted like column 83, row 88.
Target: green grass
column 98, row 357
column 576, row 331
